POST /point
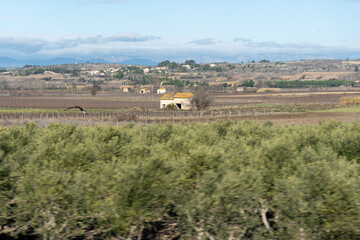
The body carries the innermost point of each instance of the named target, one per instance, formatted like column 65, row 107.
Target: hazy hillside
column 7, row 62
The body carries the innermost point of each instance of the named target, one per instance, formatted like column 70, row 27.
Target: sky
column 212, row 30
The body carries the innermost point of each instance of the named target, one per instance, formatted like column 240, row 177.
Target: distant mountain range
column 6, row 62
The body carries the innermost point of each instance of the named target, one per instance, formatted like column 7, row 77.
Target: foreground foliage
column 224, row 180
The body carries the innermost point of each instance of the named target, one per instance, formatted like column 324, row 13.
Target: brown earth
column 152, row 101
column 148, row 101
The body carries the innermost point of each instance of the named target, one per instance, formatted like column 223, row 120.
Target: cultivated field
column 115, row 108
column 152, row 101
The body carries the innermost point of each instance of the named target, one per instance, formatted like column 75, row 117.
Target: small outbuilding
column 240, row 89
column 145, row 90
column 126, row 89
column 161, row 90
column 180, row 100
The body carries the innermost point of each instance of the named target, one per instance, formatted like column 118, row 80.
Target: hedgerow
column 223, row 180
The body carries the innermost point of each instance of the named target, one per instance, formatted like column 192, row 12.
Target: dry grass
column 284, row 94
column 349, row 101
column 352, row 62
column 315, row 75
column 261, row 90
column 353, row 109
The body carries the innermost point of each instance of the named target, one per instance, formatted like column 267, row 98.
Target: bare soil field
column 89, row 102
column 280, row 108
column 282, row 98
column 152, row 101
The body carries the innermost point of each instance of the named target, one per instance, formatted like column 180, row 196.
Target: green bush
column 171, row 107
column 309, row 83
column 210, row 180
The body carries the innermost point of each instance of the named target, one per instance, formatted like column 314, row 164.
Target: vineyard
column 279, row 114
column 152, row 101
column 116, row 108
column 67, row 100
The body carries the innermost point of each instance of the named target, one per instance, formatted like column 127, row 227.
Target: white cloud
column 7, row 19
column 129, row 37
column 204, row 41
column 34, row 45
column 279, row 46
column 156, row 48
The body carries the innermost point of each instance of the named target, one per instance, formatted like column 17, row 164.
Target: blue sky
column 157, row 29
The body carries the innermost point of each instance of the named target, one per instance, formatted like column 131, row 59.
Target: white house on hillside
column 161, row 90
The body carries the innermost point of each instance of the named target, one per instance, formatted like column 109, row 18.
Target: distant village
column 171, row 77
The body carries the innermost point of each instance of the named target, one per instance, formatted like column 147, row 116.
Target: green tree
column 173, row 65
column 214, row 180
column 165, row 63
column 190, row 62
column 248, row 83
column 119, row 74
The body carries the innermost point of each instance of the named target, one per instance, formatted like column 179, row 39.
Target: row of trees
column 223, row 180
column 193, row 65
column 309, row 83
column 120, row 74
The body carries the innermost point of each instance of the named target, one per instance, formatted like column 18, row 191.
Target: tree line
column 308, row 83
column 223, row 180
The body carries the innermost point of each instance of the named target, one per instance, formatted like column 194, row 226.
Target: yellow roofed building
column 161, row 90
column 180, row 100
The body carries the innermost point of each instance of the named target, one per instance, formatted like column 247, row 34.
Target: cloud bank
column 32, row 46
column 299, row 46
column 205, row 41
column 134, row 45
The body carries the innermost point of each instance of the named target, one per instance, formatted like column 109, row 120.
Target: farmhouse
column 240, row 89
column 144, row 90
column 180, row 100
column 126, row 89
column 161, row 90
